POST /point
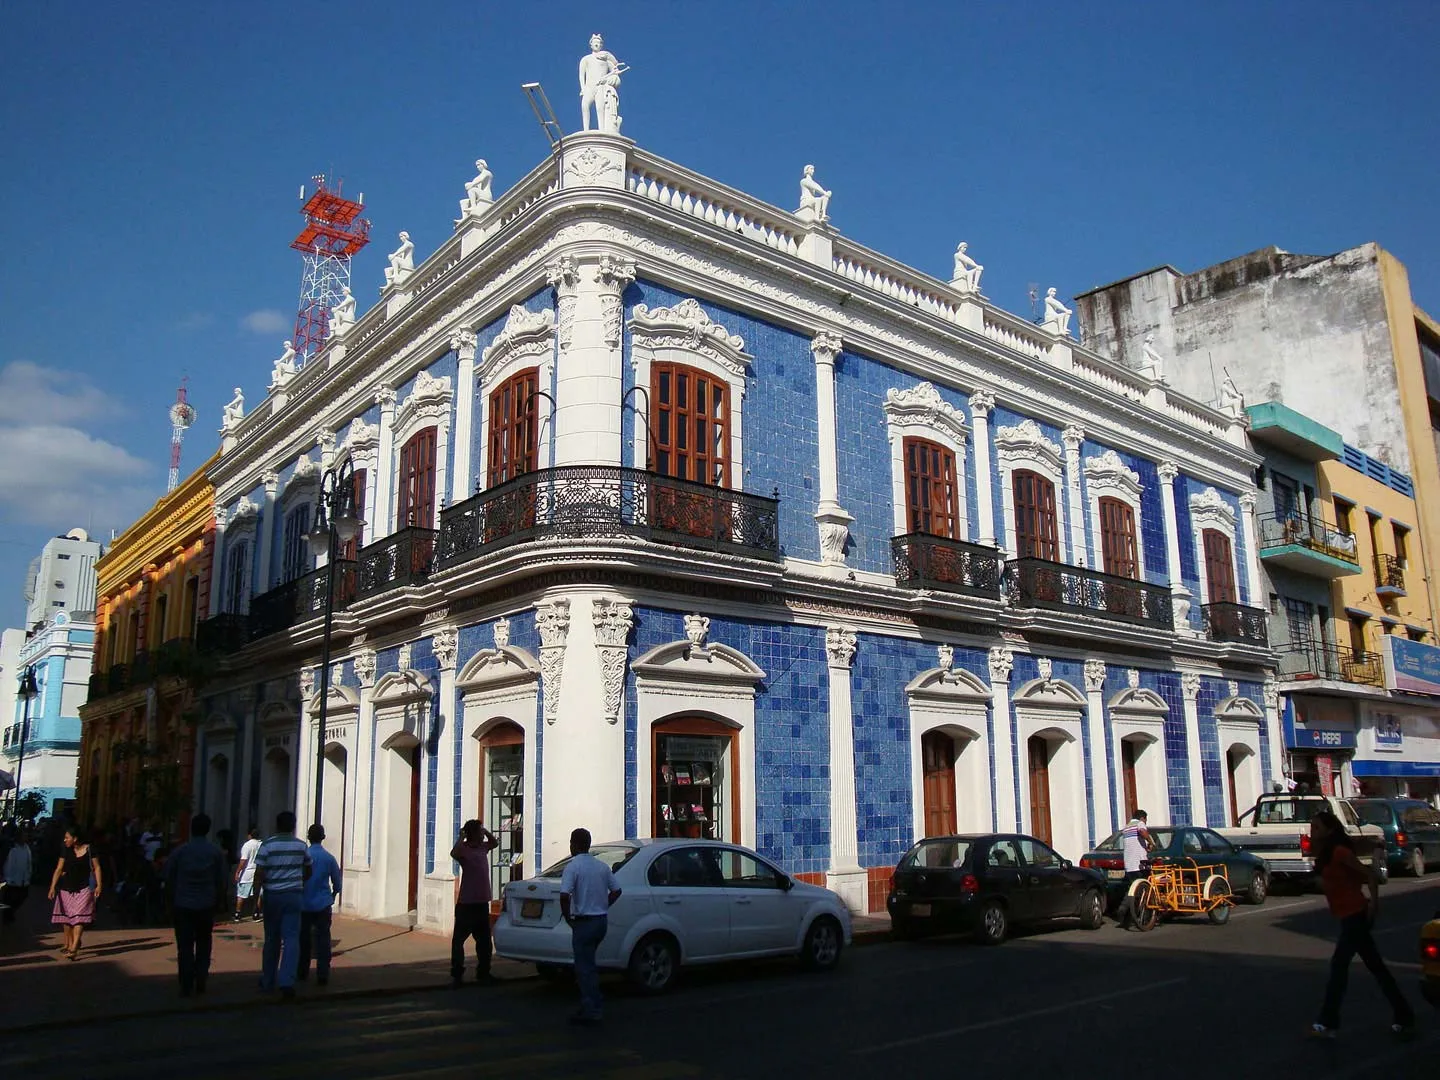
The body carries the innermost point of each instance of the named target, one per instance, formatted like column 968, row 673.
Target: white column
column 267, row 528
column 845, row 875
column 1073, row 436
column 1252, row 554
column 1277, row 730
column 463, row 342
column 588, row 389
column 1190, row 690
column 217, row 564
column 385, row 466
column 981, row 404
column 1002, row 661
column 831, row 517
column 359, row 831
column 1099, row 756
column 305, row 738
column 446, row 643
column 1179, row 595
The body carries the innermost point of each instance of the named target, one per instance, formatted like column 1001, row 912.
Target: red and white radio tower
column 182, row 415
column 334, row 231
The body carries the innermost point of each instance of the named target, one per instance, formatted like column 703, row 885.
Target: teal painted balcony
column 1307, row 545
column 1285, row 429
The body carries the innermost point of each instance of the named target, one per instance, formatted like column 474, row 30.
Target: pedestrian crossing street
column 433, row 1036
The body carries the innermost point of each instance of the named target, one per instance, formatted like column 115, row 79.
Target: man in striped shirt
column 282, row 866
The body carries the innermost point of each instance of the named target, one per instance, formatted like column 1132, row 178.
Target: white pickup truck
column 1277, row 828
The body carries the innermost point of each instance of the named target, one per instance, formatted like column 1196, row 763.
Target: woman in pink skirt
column 72, row 891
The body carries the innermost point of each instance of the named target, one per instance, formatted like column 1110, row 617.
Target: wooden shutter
column 513, row 428
column 1117, row 538
column 931, row 500
column 690, row 424
column 1219, row 567
column 1038, row 751
column 938, row 755
column 350, row 548
column 1036, row 527
column 417, row 481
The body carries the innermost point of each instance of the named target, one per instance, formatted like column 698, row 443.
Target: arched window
column 931, row 498
column 417, row 481
column 513, row 428
column 690, row 424
column 1219, row 566
column 295, row 553
column 237, row 579
column 1036, row 532
column 1117, row 538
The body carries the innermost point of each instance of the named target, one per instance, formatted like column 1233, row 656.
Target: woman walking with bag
column 71, row 889
column 1341, row 876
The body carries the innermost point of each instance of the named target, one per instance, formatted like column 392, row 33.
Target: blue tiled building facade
column 684, row 520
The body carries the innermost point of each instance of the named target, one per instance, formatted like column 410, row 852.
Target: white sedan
column 683, row 902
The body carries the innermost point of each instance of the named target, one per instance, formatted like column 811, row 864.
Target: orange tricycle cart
column 1181, row 887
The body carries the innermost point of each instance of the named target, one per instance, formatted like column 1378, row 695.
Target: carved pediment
column 342, row 701
column 948, row 685
column 1239, row 709
column 1049, row 693
column 924, row 407
column 362, row 440
column 492, row 669
column 245, row 514
column 678, row 662
column 305, row 475
column 428, row 403
column 1108, row 474
column 1026, row 442
column 401, row 688
column 1209, row 509
column 686, row 326
column 1138, row 700
column 527, row 335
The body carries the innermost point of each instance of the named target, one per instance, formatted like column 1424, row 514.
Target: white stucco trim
column 1055, row 710
column 922, row 413
column 1210, row 510
column 957, row 703
column 526, row 341
column 1107, row 476
column 401, row 714
column 1237, row 722
column 714, row 681
column 1024, row 447
column 428, row 405
column 1138, row 715
column 685, row 334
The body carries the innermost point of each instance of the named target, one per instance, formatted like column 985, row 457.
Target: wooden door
column 1039, row 788
column 1117, row 538
column 1231, row 763
column 1219, row 567
column 412, row 893
column 937, row 752
column 417, row 481
column 1036, row 526
column 1127, row 770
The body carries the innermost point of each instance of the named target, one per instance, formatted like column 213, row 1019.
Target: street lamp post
column 28, row 690
column 335, row 525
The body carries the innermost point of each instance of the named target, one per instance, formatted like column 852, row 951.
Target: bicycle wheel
column 1142, row 896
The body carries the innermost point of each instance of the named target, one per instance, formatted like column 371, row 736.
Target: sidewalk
column 126, row 972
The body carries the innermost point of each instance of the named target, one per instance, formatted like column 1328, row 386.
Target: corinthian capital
column 826, row 347
column 982, row 403
column 463, row 342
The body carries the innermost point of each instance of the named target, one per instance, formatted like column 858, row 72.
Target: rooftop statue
column 600, row 87
column 1151, row 363
column 343, row 314
column 477, row 191
column 402, row 261
column 967, row 271
column 813, row 197
column 285, row 367
column 234, row 412
column 1057, row 315
column 1231, row 400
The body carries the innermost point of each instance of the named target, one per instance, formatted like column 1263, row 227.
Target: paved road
column 1189, row 1000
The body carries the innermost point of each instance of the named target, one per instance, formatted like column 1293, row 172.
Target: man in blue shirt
column 322, row 889
column 197, row 879
column 281, row 867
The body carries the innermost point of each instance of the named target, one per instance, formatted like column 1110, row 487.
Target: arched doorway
column 502, row 799
column 697, row 779
column 275, row 794
column 937, row 753
column 217, row 787
column 1038, row 752
column 398, row 824
column 1240, row 767
column 336, row 795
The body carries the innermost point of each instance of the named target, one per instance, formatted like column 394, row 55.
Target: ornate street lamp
column 335, row 526
column 28, row 690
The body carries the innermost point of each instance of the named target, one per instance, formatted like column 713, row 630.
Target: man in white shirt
column 19, row 869
column 1135, row 844
column 245, row 873
column 587, row 889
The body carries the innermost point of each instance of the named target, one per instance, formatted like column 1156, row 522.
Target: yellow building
column 137, row 748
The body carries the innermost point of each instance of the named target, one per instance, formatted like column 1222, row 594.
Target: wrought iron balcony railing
column 581, row 501
column 402, row 559
column 1225, row 621
column 1307, row 531
column 304, row 598
column 1039, row 583
column 1390, row 574
column 923, row 561
column 224, row 633
column 1303, row 660
column 118, row 678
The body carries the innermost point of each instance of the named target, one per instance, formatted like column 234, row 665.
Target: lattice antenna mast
column 334, row 232
column 182, row 415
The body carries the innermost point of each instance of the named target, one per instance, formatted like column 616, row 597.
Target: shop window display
column 504, row 804
column 694, row 781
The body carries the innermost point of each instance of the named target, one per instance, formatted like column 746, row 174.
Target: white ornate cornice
column 428, row 403
column 1025, row 441
column 924, row 407
column 686, row 326
column 526, row 336
column 1108, row 474
column 1209, row 509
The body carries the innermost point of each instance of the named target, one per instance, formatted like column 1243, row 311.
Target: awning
column 1399, row 769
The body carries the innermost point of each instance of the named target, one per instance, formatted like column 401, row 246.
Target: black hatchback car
column 985, row 884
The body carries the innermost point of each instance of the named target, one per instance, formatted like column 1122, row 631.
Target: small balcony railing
column 1305, row 660
column 1238, row 623
column 1389, row 575
column 576, row 502
column 1307, row 531
column 402, row 559
column 1039, row 583
column 923, row 561
column 117, row 678
column 304, row 598
column 224, row 633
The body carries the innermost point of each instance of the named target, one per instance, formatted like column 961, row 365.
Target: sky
column 152, row 155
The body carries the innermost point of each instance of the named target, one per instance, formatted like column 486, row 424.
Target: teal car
column 1249, row 876
column 1412, row 832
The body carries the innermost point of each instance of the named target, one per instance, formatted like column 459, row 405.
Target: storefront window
column 695, row 782
column 503, row 800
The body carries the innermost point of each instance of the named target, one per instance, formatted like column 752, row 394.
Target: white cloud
column 60, row 477
column 31, row 394
column 266, row 321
